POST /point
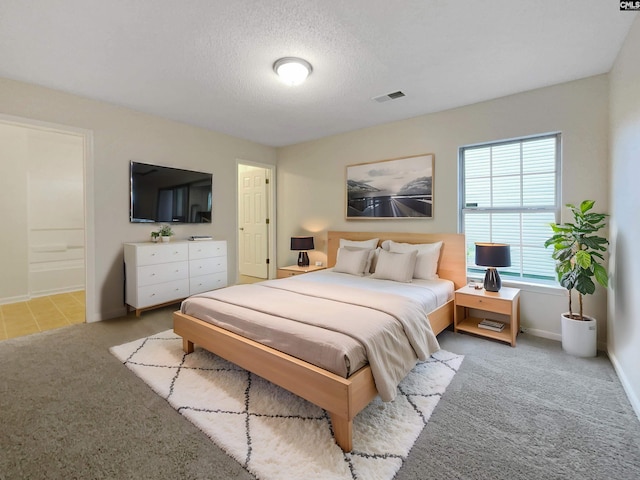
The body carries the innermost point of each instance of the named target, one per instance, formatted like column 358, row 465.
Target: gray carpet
column 69, row 409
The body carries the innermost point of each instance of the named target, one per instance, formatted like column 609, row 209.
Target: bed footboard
column 341, row 397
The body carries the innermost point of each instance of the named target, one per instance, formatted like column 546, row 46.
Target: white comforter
column 392, row 328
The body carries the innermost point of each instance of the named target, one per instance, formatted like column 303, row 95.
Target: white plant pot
column 165, row 239
column 579, row 337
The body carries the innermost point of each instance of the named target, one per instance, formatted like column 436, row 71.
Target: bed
column 341, row 397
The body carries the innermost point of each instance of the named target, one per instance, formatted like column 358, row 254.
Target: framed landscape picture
column 395, row 188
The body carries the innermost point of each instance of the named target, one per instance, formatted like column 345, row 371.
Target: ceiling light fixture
column 292, row 70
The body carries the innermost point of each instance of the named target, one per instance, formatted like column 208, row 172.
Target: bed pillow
column 427, row 259
column 365, row 244
column 374, row 259
column 395, row 266
column 368, row 244
column 353, row 260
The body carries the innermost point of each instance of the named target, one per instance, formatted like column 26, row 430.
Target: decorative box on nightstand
column 505, row 302
column 293, row 270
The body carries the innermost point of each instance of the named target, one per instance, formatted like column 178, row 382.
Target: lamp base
column 492, row 282
column 303, row 259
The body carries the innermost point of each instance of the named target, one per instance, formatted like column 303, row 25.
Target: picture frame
column 397, row 188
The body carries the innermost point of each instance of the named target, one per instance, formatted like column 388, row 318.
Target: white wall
column 624, row 301
column 41, row 185
column 41, row 192
column 121, row 135
column 315, row 172
column 56, row 212
column 14, row 254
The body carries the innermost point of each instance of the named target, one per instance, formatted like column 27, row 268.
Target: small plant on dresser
column 165, row 233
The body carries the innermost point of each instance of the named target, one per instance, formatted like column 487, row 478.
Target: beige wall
column 120, row 135
column 315, row 171
column 624, row 301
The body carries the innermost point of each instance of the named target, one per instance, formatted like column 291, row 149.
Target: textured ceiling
column 209, row 62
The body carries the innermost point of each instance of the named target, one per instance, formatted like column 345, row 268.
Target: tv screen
column 169, row 195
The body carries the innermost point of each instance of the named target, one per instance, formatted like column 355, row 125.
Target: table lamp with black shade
column 303, row 244
column 493, row 255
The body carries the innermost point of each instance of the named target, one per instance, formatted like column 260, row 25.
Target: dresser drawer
column 164, row 272
column 163, row 253
column 162, row 293
column 205, row 283
column 207, row 249
column 282, row 273
column 206, row 266
column 484, row 302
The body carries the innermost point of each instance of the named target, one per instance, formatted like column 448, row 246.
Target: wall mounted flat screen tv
column 169, row 195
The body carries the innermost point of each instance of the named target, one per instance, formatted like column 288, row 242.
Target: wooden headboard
column 453, row 259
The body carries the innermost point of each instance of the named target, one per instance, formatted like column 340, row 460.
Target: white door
column 252, row 221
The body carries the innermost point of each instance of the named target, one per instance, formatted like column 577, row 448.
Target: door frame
column 89, row 205
column 271, row 212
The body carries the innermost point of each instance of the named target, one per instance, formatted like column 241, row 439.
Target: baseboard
column 56, row 291
column 633, row 399
column 543, row 333
column 42, row 293
column 16, row 299
column 602, row 347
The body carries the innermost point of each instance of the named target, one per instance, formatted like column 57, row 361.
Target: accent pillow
column 395, row 266
column 352, row 260
column 427, row 259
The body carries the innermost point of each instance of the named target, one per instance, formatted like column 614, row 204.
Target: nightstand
column 294, row 270
column 505, row 302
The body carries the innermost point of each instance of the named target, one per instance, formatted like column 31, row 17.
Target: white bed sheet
column 430, row 293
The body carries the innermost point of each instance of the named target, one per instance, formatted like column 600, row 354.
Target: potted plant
column 154, row 236
column 578, row 252
column 165, row 233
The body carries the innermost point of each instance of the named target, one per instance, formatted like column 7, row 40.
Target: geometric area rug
column 275, row 434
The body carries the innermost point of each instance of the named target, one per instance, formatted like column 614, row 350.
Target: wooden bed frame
column 341, row 397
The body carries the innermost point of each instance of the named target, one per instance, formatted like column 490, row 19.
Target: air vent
column 389, row 96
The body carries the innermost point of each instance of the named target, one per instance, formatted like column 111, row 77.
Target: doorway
column 44, row 190
column 255, row 207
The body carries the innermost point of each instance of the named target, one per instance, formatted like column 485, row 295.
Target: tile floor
column 42, row 313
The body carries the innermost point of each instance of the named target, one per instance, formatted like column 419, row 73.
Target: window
column 510, row 194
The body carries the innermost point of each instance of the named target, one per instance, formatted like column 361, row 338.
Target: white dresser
column 158, row 274
column 207, row 266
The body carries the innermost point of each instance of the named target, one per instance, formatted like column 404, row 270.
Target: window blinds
column 510, row 194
